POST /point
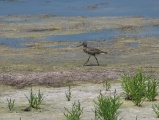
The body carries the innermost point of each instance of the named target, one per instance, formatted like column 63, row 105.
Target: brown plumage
column 91, row 51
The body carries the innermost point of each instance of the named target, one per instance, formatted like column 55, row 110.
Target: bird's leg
column 96, row 60
column 87, row 61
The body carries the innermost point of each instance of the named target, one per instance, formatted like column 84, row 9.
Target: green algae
column 51, row 25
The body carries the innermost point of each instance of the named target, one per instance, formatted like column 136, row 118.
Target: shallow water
column 147, row 32
column 104, row 35
column 94, row 8
column 15, row 42
column 146, row 8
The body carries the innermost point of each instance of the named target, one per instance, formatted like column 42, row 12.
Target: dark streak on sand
column 58, row 78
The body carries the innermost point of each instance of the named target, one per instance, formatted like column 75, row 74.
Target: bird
column 91, row 51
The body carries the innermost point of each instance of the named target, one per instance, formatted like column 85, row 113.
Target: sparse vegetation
column 106, row 107
column 10, row 104
column 107, row 85
column 68, row 94
column 75, row 113
column 155, row 108
column 35, row 100
column 137, row 87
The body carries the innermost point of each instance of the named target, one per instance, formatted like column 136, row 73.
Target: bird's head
column 84, row 44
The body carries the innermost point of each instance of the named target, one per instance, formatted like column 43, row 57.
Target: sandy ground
column 55, row 101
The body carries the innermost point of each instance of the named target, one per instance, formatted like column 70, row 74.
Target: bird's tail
column 102, row 52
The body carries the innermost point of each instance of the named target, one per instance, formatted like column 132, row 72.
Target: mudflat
column 52, row 66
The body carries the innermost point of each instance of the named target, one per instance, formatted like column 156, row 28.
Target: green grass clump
column 106, row 107
column 75, row 113
column 151, row 89
column 10, row 104
column 106, row 85
column 138, row 87
column 135, row 87
column 35, row 100
column 68, row 94
column 155, row 108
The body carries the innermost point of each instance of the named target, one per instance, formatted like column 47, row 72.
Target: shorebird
column 91, row 51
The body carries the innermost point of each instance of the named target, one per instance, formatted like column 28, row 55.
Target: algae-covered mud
column 41, row 26
column 37, row 53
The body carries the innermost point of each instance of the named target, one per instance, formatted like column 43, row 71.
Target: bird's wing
column 95, row 50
